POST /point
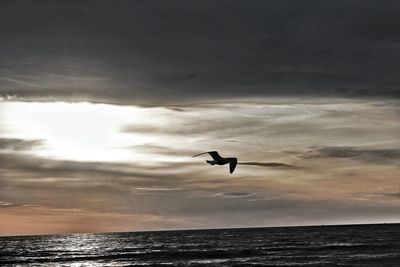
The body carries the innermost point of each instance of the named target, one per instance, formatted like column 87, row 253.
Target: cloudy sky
column 103, row 104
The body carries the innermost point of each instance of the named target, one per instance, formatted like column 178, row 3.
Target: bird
column 217, row 159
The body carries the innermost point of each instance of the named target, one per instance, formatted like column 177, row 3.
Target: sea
column 345, row 245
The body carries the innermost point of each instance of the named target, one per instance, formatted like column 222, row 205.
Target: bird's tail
column 211, row 162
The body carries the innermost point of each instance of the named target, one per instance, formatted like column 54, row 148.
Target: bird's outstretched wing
column 213, row 154
column 232, row 164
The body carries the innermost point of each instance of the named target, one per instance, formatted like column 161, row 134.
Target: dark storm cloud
column 31, row 167
column 234, row 194
column 369, row 155
column 18, row 144
column 153, row 51
column 200, row 126
column 268, row 164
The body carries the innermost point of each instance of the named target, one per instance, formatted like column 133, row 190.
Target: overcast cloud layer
column 78, row 167
column 150, row 52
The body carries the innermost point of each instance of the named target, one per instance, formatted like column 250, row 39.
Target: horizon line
column 204, row 229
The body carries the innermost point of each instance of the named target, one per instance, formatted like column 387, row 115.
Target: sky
column 103, row 104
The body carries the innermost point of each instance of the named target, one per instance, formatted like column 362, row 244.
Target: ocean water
column 354, row 245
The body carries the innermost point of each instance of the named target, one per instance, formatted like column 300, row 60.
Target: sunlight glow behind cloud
column 77, row 131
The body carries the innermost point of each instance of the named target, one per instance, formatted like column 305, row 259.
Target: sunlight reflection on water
column 311, row 246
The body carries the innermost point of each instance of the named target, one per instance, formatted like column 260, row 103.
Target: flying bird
column 217, row 159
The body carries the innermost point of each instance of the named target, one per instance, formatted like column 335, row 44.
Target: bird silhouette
column 217, row 159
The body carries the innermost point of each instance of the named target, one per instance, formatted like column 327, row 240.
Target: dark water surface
column 354, row 245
